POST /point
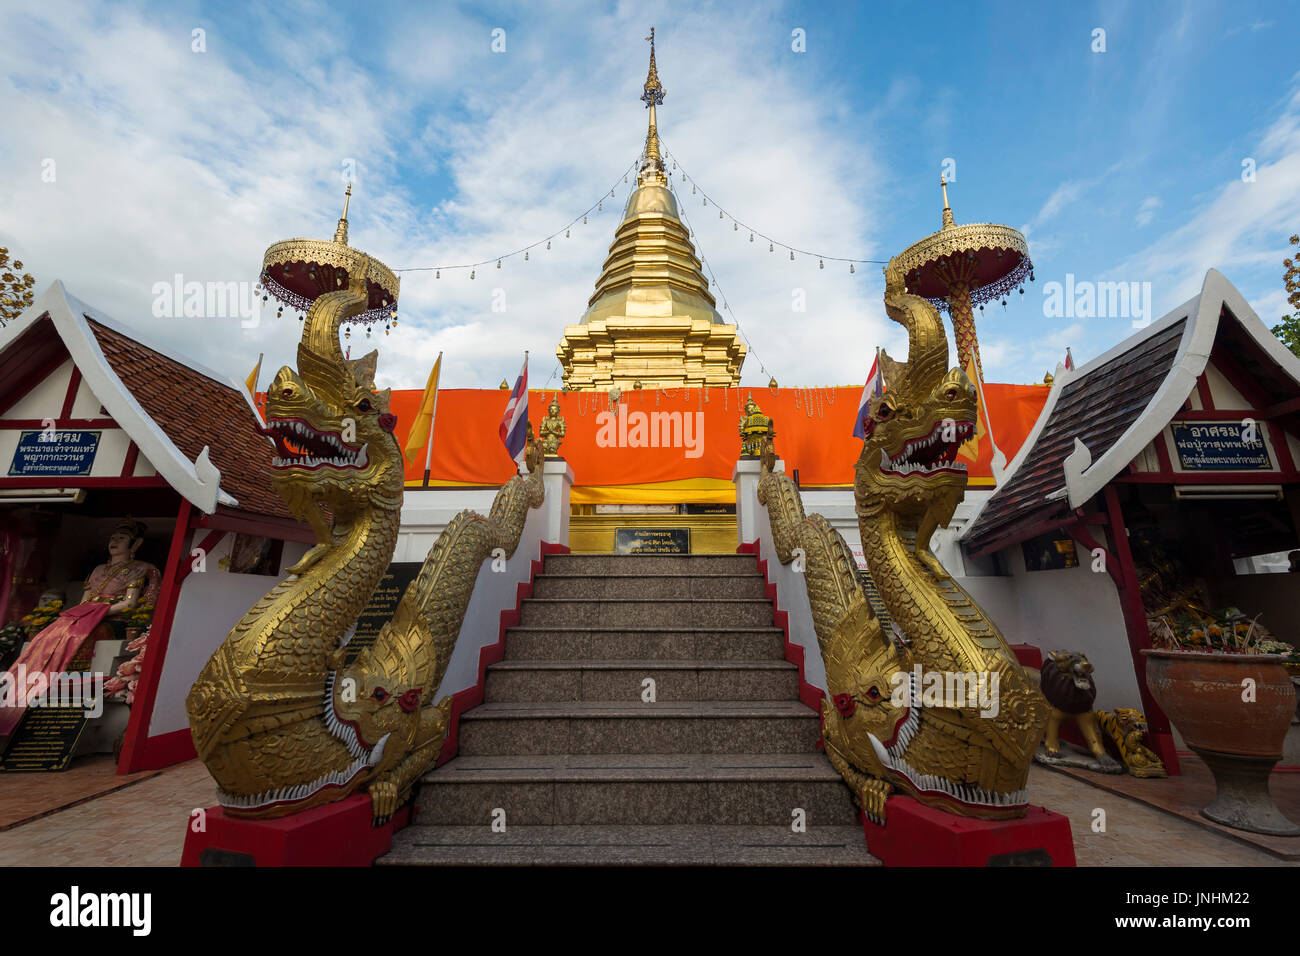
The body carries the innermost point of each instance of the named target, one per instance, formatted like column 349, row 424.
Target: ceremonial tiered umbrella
column 296, row 271
column 961, row 267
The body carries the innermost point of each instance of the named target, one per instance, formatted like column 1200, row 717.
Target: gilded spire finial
column 341, row 233
column 654, row 91
column 652, row 164
column 948, row 221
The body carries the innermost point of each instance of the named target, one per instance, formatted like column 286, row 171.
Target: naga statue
column 280, row 716
column 882, row 727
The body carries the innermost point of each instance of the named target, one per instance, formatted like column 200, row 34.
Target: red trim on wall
column 61, row 422
column 1135, row 626
column 1217, row 415
column 70, row 481
column 1203, row 390
column 1081, row 534
column 267, row 526
column 167, row 749
column 1162, row 453
column 33, row 377
column 809, row 694
column 1209, row 478
column 134, row 748
column 70, row 399
column 472, row 696
column 128, row 463
column 1282, row 450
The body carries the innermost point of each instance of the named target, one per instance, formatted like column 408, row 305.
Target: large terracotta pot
column 1240, row 740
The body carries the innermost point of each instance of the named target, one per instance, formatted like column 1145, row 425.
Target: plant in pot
column 1222, row 680
column 12, row 637
column 136, row 620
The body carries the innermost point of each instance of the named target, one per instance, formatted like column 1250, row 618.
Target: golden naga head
column 913, row 431
column 375, row 709
column 333, row 431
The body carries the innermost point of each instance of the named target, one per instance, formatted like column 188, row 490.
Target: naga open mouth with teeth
column 949, row 755
column 930, row 454
column 299, row 445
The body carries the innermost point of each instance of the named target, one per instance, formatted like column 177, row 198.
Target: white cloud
column 1147, row 210
column 1240, row 230
column 172, row 162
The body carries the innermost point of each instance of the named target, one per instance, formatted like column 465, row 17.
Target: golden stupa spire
column 341, row 233
column 652, row 164
column 948, row 221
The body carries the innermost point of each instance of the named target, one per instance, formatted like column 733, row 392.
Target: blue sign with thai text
column 1221, row 446
column 46, row 453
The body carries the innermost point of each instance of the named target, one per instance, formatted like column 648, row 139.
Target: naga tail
column 830, row 572
column 416, row 645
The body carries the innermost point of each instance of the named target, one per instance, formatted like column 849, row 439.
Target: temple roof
column 195, row 426
column 1099, row 417
column 651, row 320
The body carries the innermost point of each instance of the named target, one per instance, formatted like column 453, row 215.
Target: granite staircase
column 581, row 768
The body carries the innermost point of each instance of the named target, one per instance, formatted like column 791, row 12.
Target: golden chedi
column 651, row 321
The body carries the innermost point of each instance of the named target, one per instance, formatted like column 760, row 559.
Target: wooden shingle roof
column 194, row 410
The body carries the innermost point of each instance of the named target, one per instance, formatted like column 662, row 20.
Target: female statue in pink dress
column 112, row 589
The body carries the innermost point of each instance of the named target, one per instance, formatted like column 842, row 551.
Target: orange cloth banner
column 679, row 434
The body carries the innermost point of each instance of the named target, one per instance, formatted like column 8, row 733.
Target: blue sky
column 1122, row 165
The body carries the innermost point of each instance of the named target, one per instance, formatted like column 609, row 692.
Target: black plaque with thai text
column 382, row 605
column 652, row 541
column 43, row 739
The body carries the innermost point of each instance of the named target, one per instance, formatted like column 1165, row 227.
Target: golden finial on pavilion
column 341, row 233
column 652, row 165
column 948, row 221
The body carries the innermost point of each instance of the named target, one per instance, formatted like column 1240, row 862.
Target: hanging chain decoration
column 545, row 241
column 713, row 279
column 773, row 244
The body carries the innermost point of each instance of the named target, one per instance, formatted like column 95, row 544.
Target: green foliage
column 1288, row 332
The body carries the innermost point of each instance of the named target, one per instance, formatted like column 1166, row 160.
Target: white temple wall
column 45, row 401
column 426, row 512
column 1071, row 609
column 211, row 603
column 494, row 592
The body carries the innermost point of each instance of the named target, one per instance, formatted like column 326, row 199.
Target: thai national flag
column 514, row 425
column 874, row 388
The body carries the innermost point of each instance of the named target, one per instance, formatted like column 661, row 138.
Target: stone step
column 698, row 845
column 696, row 614
column 677, row 727
column 654, row 564
column 643, row 643
column 633, row 586
column 560, row 790
column 541, row 680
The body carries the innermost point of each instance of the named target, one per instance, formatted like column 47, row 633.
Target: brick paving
column 144, row 824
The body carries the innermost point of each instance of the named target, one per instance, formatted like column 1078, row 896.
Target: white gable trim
column 197, row 481
column 1082, row 477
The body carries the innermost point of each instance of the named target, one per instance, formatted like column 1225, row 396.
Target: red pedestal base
column 916, row 835
column 338, row 834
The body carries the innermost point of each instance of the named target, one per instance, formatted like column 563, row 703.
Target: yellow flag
column 421, row 429
column 970, row 450
column 252, row 376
